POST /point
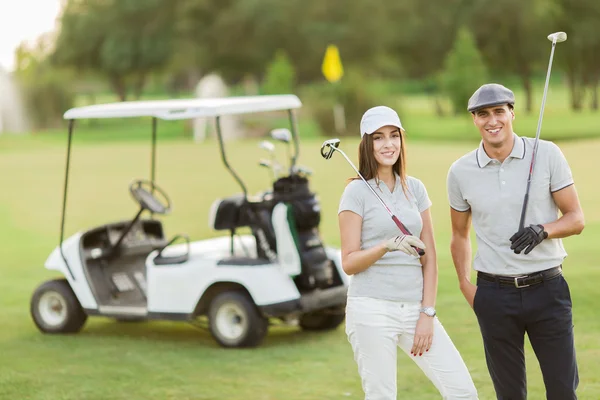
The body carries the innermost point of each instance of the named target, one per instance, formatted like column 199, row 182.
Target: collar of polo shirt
column 377, row 182
column 518, row 151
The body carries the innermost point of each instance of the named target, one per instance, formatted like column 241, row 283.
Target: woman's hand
column 405, row 244
column 423, row 335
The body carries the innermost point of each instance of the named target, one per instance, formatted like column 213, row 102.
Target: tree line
column 127, row 41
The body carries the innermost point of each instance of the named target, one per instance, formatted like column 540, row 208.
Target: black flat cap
column 491, row 94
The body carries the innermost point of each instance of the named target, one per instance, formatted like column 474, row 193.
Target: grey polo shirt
column 494, row 193
column 396, row 275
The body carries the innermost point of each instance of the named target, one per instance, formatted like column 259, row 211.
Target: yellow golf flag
column 332, row 65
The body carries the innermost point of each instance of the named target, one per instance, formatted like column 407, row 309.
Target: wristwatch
column 429, row 311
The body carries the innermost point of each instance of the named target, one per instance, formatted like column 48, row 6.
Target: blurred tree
column 230, row 37
column 123, row 40
column 512, row 37
column 280, row 77
column 47, row 92
column 580, row 54
column 236, row 38
column 464, row 71
column 424, row 33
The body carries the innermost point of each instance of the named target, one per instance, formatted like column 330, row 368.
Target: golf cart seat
column 229, row 213
column 236, row 211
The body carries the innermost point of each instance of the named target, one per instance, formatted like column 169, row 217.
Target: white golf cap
column 376, row 117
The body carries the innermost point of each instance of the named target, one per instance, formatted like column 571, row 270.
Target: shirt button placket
column 501, row 179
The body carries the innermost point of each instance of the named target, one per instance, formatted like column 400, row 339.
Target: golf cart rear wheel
column 235, row 320
column 321, row 321
column 55, row 309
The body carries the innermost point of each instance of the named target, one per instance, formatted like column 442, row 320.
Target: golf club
column 302, row 170
column 270, row 147
column 332, row 146
column 556, row 37
column 267, row 164
column 284, row 135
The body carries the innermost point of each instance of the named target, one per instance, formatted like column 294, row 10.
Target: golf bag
column 317, row 269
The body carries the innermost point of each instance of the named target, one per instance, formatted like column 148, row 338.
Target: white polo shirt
column 396, row 275
column 494, row 193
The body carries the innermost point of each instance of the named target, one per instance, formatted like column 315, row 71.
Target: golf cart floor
column 121, row 282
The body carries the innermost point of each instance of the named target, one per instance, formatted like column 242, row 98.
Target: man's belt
column 521, row 281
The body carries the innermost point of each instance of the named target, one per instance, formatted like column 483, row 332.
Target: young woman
column 391, row 298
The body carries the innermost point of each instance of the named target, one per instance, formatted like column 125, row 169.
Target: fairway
column 109, row 360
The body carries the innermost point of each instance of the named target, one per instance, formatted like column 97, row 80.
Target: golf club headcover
column 527, row 238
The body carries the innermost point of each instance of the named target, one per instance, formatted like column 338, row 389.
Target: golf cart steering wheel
column 147, row 199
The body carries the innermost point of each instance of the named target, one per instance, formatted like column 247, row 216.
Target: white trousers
column 376, row 327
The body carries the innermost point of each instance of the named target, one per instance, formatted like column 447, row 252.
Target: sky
column 24, row 20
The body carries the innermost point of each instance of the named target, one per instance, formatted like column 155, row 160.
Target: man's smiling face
column 494, row 124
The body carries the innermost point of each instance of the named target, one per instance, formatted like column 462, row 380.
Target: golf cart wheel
column 55, row 309
column 235, row 321
column 321, row 321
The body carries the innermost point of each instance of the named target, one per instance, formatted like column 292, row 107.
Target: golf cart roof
column 174, row 109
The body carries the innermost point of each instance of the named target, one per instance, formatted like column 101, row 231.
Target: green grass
column 163, row 360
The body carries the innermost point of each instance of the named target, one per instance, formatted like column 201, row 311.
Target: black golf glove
column 527, row 238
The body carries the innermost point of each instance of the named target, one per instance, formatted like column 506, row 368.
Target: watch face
column 430, row 311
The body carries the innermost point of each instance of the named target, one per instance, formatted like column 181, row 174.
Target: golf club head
column 264, row 163
column 328, row 147
column 299, row 169
column 557, row 37
column 282, row 134
column 266, row 145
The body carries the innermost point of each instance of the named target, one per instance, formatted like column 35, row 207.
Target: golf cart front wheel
column 321, row 321
column 55, row 309
column 235, row 320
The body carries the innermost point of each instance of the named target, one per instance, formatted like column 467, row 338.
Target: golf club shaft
column 537, row 139
column 398, row 223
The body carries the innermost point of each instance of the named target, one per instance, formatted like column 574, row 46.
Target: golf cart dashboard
column 144, row 236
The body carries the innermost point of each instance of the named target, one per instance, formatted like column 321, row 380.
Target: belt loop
column 497, row 282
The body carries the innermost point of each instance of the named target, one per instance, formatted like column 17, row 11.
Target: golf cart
column 238, row 283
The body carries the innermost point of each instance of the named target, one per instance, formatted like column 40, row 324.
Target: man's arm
column 572, row 221
column 460, row 248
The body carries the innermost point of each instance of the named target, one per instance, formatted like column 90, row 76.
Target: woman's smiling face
column 387, row 145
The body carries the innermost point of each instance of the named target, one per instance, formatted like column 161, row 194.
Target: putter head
column 557, row 37
column 266, row 145
column 328, row 147
column 264, row 163
column 282, row 134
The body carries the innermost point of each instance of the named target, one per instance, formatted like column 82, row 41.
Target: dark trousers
column 543, row 310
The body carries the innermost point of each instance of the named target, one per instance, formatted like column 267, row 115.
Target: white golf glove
column 404, row 243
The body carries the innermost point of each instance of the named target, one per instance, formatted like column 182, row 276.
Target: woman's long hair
column 367, row 164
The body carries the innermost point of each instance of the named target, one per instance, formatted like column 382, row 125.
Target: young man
column 520, row 286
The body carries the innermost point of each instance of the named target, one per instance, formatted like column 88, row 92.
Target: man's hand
column 406, row 244
column 468, row 290
column 527, row 238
